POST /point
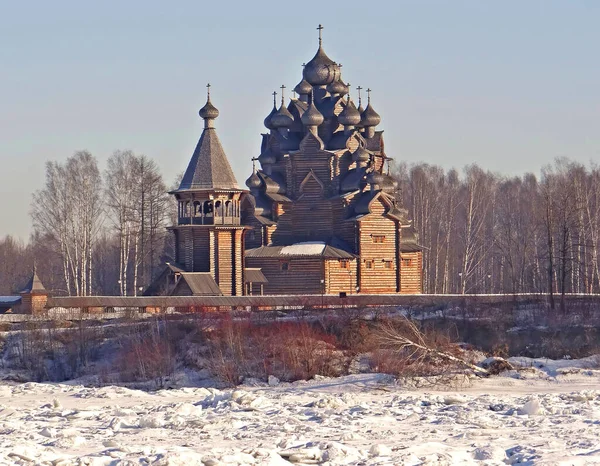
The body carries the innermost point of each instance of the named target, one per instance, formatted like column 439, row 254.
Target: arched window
column 197, row 208
column 219, row 208
column 228, row 209
column 208, row 208
column 187, row 209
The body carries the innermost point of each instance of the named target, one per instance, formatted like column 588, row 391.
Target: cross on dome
column 282, row 96
column 320, row 29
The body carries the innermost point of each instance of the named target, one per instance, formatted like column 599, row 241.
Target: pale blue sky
column 507, row 84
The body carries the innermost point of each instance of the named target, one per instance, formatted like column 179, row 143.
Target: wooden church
column 320, row 215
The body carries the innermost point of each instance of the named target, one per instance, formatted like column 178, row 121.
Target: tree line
column 105, row 232
column 93, row 233
column 487, row 233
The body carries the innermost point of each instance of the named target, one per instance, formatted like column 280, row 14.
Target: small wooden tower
column 34, row 296
column 209, row 233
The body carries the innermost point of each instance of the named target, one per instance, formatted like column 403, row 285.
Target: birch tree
column 68, row 210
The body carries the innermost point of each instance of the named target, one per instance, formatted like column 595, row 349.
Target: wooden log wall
column 378, row 267
column 310, row 157
column 302, row 277
column 201, row 249
column 311, row 213
column 411, row 276
column 224, row 261
column 339, row 278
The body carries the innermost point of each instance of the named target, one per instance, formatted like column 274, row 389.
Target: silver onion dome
column 369, row 117
column 337, row 87
column 268, row 123
column 209, row 111
column 312, row 116
column 303, row 87
column 350, row 116
column 283, row 118
column 253, row 181
column 321, row 70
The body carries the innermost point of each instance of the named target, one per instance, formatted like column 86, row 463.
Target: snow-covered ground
column 541, row 415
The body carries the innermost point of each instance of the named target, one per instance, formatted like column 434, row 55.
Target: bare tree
column 68, row 210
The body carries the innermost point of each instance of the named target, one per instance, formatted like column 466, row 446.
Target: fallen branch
column 412, row 340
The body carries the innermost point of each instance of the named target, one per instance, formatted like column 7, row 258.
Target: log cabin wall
column 344, row 229
column 411, row 272
column 201, row 250
column 378, row 243
column 340, row 275
column 303, row 275
column 310, row 158
column 224, row 260
column 311, row 213
column 255, row 236
column 238, row 262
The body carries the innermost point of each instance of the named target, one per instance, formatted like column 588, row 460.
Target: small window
column 344, row 264
column 369, row 264
column 407, row 262
column 388, row 264
column 378, row 238
column 284, row 266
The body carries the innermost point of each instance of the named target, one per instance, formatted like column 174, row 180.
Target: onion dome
column 268, row 122
column 361, row 155
column 267, row 157
column 312, row 116
column 369, row 117
column 337, row 87
column 350, row 116
column 321, row 70
column 375, row 178
column 283, row 118
column 253, row 181
column 303, row 87
column 209, row 111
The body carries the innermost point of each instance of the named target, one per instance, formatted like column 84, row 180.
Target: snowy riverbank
column 541, row 415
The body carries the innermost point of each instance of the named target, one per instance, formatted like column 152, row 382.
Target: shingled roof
column 209, row 167
column 34, row 285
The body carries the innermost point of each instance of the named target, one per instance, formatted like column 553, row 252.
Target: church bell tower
column 209, row 232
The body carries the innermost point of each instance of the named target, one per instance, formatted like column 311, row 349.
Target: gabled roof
column 34, row 285
column 209, row 168
column 201, row 283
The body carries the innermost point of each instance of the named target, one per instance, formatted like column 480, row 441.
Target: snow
column 544, row 413
column 308, row 248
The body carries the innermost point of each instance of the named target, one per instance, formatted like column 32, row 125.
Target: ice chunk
column 380, row 450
